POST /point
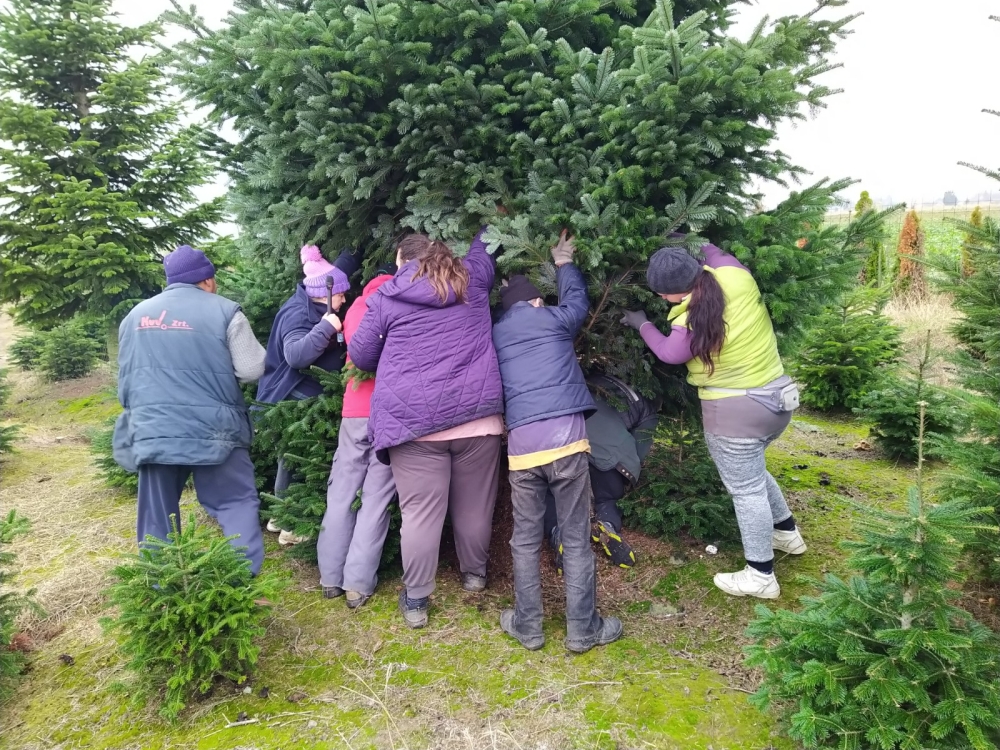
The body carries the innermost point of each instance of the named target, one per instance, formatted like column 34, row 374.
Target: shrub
column 885, row 660
column 893, row 408
column 874, row 272
column 68, row 353
column 189, row 613
column 975, row 224
column 114, row 476
column 12, row 603
column 8, row 433
column 27, row 350
column 682, row 491
column 911, row 279
column 843, row 354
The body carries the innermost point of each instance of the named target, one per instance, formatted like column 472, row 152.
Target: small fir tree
column 102, row 457
column 974, row 473
column 99, row 175
column 976, row 224
column 68, row 352
column 843, row 355
column 8, row 433
column 12, row 602
column 189, row 612
column 911, row 279
column 893, row 409
column 885, row 660
column 26, row 350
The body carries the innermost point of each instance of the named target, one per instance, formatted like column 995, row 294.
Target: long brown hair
column 705, row 320
column 434, row 259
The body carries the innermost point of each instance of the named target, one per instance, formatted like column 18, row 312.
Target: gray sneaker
column 356, row 599
column 611, row 631
column 414, row 611
column 530, row 642
column 474, row 583
column 332, row 592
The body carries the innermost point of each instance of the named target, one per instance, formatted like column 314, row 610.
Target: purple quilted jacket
column 434, row 361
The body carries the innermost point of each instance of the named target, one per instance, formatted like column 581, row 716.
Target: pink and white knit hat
column 316, row 269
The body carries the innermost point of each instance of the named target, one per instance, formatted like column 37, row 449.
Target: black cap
column 518, row 289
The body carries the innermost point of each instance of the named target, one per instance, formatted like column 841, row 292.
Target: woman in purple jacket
column 436, row 407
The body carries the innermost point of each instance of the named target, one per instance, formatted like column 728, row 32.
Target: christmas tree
column 99, row 175
column 911, row 279
column 885, row 660
column 874, row 272
column 623, row 121
column 976, row 223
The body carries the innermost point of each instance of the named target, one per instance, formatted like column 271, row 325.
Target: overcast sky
column 915, row 81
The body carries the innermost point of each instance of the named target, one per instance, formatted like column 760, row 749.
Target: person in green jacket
column 721, row 330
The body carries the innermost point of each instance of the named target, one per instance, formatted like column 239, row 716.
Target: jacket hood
column 312, row 311
column 415, row 291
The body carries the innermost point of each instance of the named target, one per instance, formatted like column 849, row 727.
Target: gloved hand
column 562, row 252
column 634, row 319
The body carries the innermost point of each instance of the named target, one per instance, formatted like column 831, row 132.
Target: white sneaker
column 788, row 541
column 287, row 539
column 273, row 527
column 749, row 582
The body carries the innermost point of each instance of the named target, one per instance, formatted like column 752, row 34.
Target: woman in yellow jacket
column 721, row 330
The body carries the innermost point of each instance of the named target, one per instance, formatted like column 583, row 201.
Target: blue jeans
column 569, row 481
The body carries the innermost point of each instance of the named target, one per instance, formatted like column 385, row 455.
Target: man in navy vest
column 181, row 358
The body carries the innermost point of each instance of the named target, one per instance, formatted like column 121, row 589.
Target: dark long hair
column 705, row 319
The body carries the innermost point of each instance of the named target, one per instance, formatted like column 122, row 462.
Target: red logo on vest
column 147, row 323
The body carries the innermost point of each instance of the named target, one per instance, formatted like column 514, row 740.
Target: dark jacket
column 541, row 376
column 621, row 429
column 176, row 381
column 434, row 360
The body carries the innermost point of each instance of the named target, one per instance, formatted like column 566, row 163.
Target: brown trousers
column 435, row 478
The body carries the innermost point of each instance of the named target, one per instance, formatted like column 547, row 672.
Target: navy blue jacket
column 541, row 376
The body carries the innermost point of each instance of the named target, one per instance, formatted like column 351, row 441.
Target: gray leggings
column 757, row 498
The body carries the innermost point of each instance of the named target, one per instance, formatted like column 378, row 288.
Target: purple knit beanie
column 185, row 265
column 317, row 269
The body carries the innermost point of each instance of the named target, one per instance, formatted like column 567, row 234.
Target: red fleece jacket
column 358, row 396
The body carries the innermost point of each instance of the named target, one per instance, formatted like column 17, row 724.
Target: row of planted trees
column 626, row 121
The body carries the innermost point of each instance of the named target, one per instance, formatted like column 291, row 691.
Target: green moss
column 94, row 409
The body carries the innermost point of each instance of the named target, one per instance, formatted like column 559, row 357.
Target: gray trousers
column 227, row 491
column 568, row 479
column 757, row 498
column 350, row 543
column 435, row 478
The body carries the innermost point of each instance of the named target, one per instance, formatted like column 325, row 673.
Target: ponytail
column 705, row 311
column 444, row 271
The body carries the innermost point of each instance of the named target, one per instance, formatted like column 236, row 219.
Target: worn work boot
column 611, row 630
column 332, row 592
column 356, row 599
column 788, row 541
column 617, row 549
column 474, row 583
column 414, row 611
column 530, row 642
column 749, row 582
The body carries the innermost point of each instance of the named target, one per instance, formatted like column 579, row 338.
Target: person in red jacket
column 350, row 542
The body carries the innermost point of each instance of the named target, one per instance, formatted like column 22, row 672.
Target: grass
column 334, row 678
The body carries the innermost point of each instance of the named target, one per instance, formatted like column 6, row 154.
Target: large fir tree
column 624, row 121
column 98, row 173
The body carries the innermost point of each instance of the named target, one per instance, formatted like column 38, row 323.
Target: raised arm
column 481, row 265
column 573, row 302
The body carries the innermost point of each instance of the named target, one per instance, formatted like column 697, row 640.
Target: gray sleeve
column 247, row 353
column 302, row 350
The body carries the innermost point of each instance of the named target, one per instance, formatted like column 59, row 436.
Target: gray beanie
column 672, row 270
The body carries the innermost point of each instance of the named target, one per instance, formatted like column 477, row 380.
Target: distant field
column 944, row 239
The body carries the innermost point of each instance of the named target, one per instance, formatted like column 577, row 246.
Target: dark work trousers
column 608, row 487
column 227, row 491
column 435, row 478
column 568, row 479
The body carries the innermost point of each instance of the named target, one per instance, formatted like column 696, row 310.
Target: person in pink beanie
column 304, row 335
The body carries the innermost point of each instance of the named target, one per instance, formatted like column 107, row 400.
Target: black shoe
column 530, row 642
column 611, row 630
column 615, row 547
column 332, row 592
column 414, row 610
column 557, row 549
